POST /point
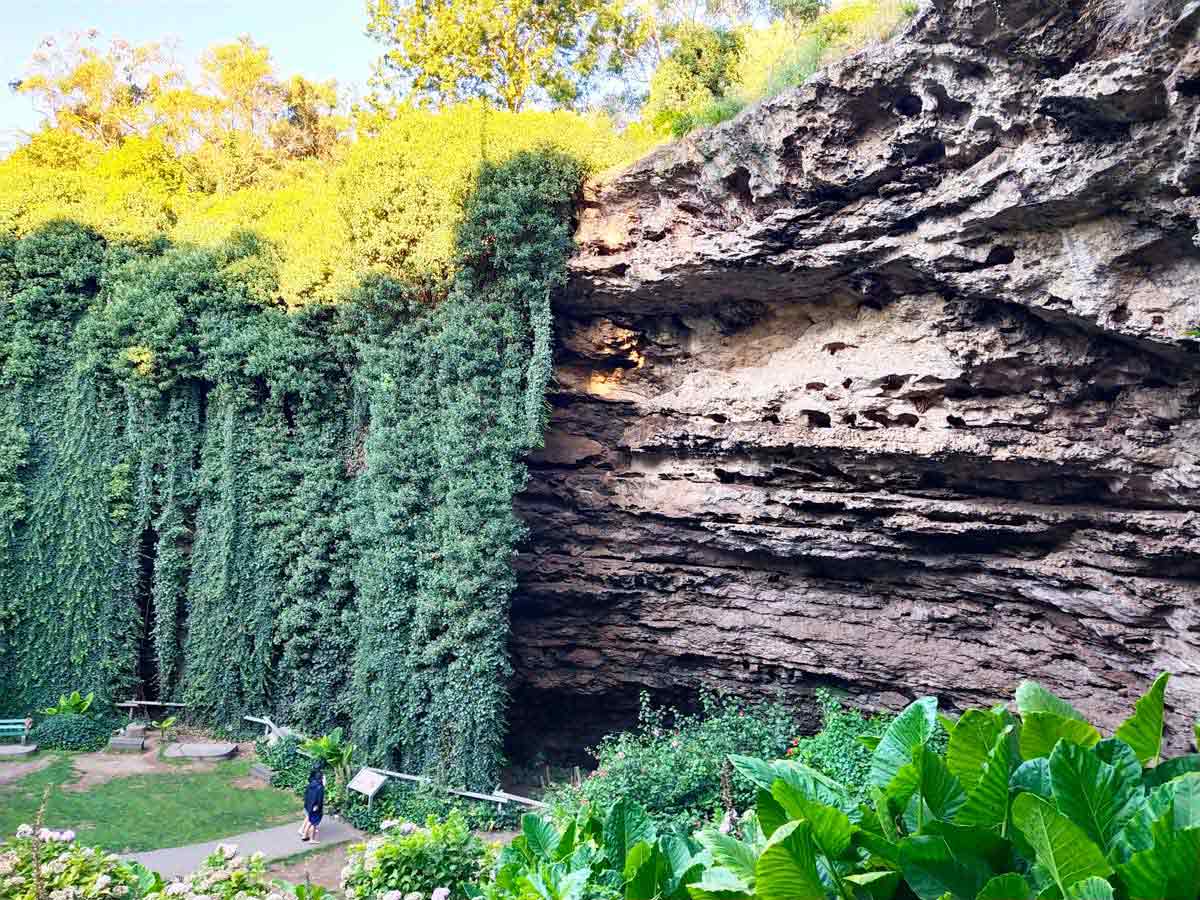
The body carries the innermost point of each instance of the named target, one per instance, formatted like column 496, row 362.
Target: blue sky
column 316, row 38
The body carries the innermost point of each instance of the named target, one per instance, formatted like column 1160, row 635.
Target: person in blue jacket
column 314, row 805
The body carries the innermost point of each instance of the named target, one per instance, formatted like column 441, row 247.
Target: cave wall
column 885, row 385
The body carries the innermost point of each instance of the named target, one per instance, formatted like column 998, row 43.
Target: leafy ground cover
column 145, row 812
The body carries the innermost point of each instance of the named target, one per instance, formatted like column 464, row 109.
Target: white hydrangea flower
column 256, row 857
column 68, row 835
column 176, row 889
column 392, row 895
column 101, row 883
column 229, row 851
column 120, row 890
column 25, row 831
column 441, row 893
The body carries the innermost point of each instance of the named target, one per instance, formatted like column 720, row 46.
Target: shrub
column 671, row 763
column 835, row 750
column 442, row 854
column 420, row 802
column 224, row 876
column 70, row 731
column 66, row 869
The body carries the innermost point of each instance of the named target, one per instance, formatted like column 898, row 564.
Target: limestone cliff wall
column 885, row 384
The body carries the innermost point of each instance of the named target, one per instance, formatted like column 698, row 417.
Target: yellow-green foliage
column 391, row 203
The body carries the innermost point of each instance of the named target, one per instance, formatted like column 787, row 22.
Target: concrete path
column 273, row 843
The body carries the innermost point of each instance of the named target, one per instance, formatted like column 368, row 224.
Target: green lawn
column 146, row 812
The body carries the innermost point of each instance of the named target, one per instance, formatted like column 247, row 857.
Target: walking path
column 273, row 843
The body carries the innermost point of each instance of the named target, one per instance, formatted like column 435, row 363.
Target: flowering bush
column 66, row 870
column 436, row 860
column 671, row 764
column 224, row 876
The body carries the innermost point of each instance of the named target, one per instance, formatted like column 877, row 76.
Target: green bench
column 14, row 728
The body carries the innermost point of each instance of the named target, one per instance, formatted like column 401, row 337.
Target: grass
column 146, row 812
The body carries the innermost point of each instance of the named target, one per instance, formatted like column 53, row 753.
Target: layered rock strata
column 886, row 385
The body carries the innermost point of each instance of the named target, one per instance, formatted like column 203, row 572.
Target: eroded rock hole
column 738, row 182
column 909, row 105
column 1000, row 255
column 817, row 419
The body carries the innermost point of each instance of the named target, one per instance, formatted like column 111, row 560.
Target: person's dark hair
column 318, row 771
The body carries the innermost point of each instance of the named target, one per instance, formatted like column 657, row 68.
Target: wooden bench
column 14, row 728
column 132, row 705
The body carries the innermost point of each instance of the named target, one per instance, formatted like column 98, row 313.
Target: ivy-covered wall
column 251, row 508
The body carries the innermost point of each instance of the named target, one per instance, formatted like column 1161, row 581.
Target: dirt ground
column 11, row 771
column 97, row 768
column 323, row 866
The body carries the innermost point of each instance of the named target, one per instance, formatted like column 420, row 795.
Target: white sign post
column 368, row 782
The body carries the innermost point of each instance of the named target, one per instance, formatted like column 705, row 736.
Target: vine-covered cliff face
column 885, row 384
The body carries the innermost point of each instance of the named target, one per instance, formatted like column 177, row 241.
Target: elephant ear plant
column 71, row 704
column 334, row 751
column 618, row 855
column 1033, row 804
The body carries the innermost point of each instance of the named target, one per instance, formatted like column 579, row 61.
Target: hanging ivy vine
column 306, row 512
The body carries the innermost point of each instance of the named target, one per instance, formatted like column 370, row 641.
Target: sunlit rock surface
column 885, row 385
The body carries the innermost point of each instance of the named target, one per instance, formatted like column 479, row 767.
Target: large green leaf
column 878, row 847
column 878, row 885
column 1172, row 768
column 932, row 868
column 1143, row 731
column 625, row 826
column 787, row 868
column 1034, row 776
column 541, row 837
column 928, row 778
column 1033, row 698
column 719, row 884
column 1040, row 731
column 760, row 772
column 1155, row 815
column 1090, row 889
column 987, row 803
column 909, row 730
column 831, row 828
column 1092, row 794
column 883, row 814
column 1121, row 757
column 647, row 872
column 1170, row 870
column 1007, row 887
column 771, row 815
column 971, row 742
column 730, row 853
column 1062, row 847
